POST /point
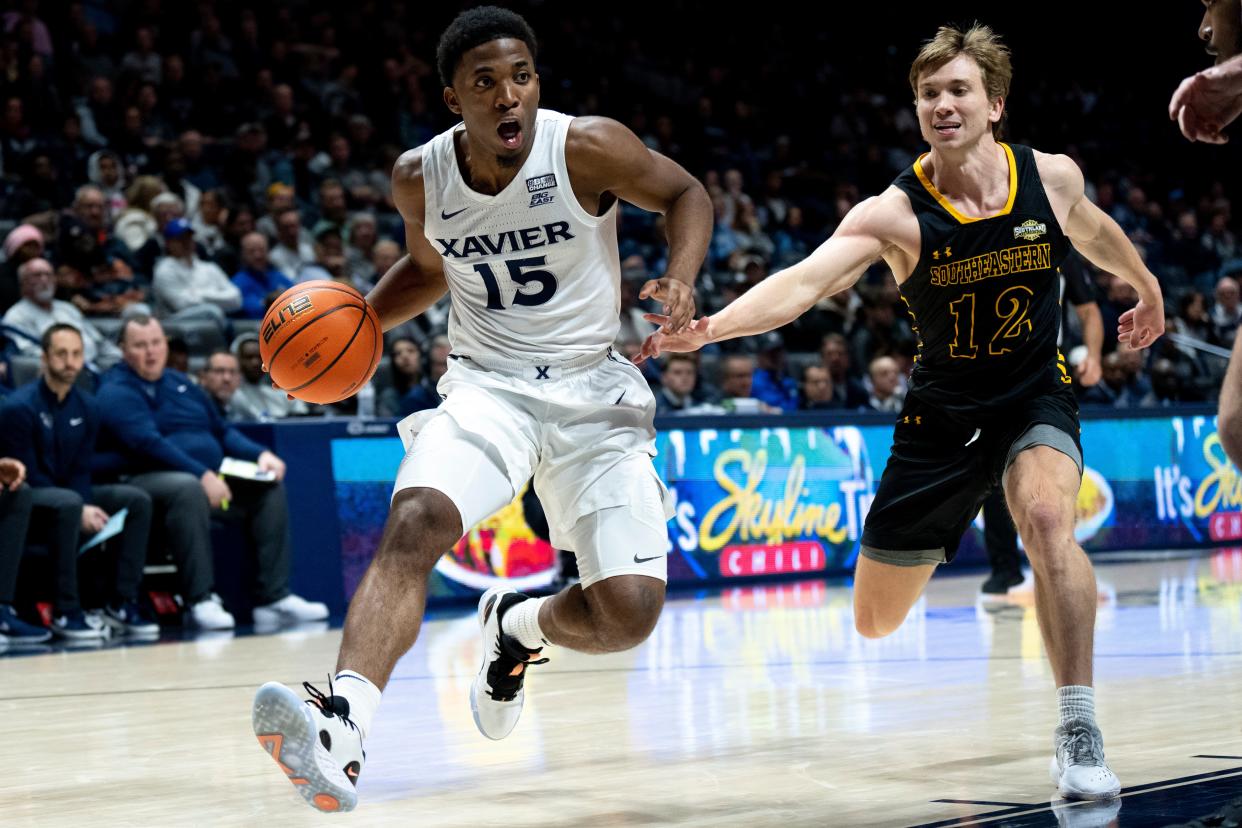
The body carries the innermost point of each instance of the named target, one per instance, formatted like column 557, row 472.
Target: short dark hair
column 475, row 27
column 218, row 352
column 139, row 319
column 55, row 329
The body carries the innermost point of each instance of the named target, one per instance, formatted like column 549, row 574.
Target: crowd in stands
column 171, row 170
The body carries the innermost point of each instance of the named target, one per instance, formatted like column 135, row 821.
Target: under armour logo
column 541, row 371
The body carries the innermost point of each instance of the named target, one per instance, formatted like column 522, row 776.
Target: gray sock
column 1076, row 702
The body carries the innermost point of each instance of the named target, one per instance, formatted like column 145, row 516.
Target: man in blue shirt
column 51, row 426
column 169, row 436
column 257, row 280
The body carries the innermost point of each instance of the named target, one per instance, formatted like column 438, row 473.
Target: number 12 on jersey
column 520, row 271
column 1011, row 312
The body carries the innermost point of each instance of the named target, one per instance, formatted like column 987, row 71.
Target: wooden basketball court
column 752, row 707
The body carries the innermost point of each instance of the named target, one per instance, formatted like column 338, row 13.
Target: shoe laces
column 503, row 683
column 1083, row 746
column 327, row 702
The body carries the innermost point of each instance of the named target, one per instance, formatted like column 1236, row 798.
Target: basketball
column 320, row 341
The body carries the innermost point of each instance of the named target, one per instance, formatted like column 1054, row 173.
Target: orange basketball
column 321, row 341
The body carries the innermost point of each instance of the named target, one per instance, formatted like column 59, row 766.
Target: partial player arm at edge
column 831, row 268
column 416, row 281
column 1229, row 418
column 1102, row 241
column 606, row 157
column 1094, row 233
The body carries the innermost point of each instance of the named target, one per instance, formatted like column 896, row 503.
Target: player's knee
column 1046, row 524
column 625, row 610
column 872, row 624
column 422, row 525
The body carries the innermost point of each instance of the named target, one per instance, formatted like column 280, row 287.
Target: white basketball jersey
column 532, row 275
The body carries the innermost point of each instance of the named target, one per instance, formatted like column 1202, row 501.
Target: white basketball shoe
column 496, row 694
column 1078, row 768
column 313, row 741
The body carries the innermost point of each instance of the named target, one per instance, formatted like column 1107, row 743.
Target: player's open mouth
column 510, row 133
column 948, row 127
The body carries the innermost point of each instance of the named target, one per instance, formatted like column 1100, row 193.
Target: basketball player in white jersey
column 514, row 213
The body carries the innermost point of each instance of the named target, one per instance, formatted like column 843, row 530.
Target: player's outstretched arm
column 784, row 296
column 1099, row 238
column 604, row 156
column 416, row 281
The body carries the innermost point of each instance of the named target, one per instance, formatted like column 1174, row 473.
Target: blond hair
column 980, row 44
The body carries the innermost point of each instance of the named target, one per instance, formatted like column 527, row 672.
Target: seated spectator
column 110, row 290
column 85, row 240
column 15, row 506
column 209, row 223
column 834, row 354
column 771, row 382
column 362, row 233
column 329, row 257
column 384, row 255
column 186, row 287
column 679, row 380
column 279, row 201
column 38, row 310
column 292, row 252
column 258, row 281
column 50, row 425
column 166, row 433
column 736, row 387
column 1226, row 311
column 105, row 171
column 1115, row 389
column 1168, row 387
column 255, row 398
column 409, row 391
column 136, row 226
column 24, row 242
column 817, row 389
column 879, row 330
column 165, row 208
column 178, row 354
column 220, row 378
column 332, row 204
column 887, row 391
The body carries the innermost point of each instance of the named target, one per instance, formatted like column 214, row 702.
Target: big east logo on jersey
column 294, row 309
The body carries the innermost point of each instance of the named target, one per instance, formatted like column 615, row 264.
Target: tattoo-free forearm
column 404, row 292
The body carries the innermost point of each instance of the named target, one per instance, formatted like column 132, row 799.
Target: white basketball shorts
column 583, row 429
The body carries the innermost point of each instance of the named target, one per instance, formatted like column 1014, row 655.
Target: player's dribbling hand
column 1141, row 325
column 678, row 299
column 693, row 337
column 288, row 396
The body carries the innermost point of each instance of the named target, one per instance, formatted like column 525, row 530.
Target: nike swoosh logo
column 618, row 402
column 76, row 421
column 644, row 560
column 446, row 216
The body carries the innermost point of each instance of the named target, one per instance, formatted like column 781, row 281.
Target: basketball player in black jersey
column 973, row 232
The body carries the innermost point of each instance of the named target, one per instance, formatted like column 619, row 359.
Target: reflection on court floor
column 746, row 707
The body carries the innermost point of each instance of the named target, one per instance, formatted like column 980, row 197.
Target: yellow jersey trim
column 944, row 202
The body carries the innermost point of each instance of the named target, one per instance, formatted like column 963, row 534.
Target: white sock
column 362, row 695
column 1076, row 702
column 522, row 622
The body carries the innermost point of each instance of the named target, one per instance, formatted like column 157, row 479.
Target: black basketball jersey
column 985, row 295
